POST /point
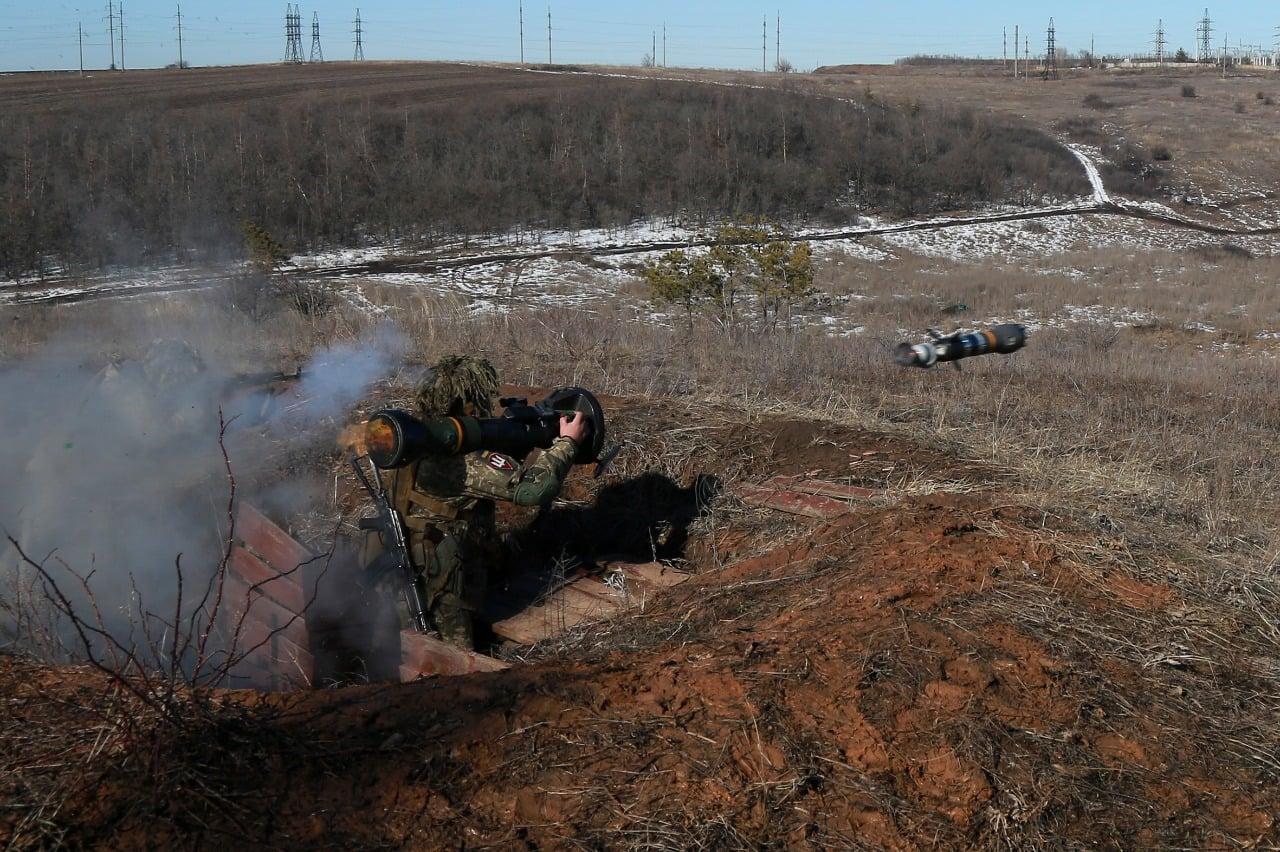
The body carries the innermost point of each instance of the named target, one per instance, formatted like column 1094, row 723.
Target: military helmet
column 171, row 362
column 456, row 381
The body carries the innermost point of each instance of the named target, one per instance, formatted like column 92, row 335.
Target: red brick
column 272, row 543
column 275, row 653
column 284, row 590
column 289, row 625
column 426, row 655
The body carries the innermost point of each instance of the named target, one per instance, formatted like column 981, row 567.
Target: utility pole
column 1004, row 46
column 359, row 54
column 764, row 44
column 315, row 38
column 1026, row 56
column 521, row 32
column 1160, row 42
column 1017, row 38
column 111, row 22
column 777, row 45
column 120, row 12
column 80, row 32
column 549, row 62
column 180, row 63
column 1093, row 54
column 1205, row 33
column 664, row 44
column 653, row 53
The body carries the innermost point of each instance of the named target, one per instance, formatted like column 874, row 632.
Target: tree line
column 90, row 187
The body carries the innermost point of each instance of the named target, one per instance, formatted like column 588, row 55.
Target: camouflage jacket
column 447, row 488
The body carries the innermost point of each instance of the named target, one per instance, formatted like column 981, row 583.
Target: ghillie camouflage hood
column 455, row 381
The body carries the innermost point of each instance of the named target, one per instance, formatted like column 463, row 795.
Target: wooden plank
column 424, row 656
column 525, row 627
column 537, row 623
column 598, row 603
column 652, row 574
column 284, row 590
column 267, row 540
column 560, row 612
column 823, row 488
column 808, row 505
column 237, row 595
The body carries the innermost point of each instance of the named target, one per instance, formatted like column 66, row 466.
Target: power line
column 316, row 50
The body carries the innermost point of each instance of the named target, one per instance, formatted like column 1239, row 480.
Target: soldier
column 447, row 502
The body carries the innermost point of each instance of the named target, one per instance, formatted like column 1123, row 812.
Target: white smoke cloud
column 115, row 472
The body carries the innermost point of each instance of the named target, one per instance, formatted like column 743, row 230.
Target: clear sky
column 716, row 33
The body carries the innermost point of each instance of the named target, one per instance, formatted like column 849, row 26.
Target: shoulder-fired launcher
column 395, row 438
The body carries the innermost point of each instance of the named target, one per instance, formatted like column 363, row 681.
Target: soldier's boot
column 452, row 620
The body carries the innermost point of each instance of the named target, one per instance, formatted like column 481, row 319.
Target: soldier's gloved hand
column 574, row 427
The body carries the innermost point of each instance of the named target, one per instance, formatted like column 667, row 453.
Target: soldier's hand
column 574, row 427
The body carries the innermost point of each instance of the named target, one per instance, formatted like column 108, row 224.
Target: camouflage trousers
column 454, row 579
column 451, row 582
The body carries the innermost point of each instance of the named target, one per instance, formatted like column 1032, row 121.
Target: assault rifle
column 1001, row 339
column 387, row 522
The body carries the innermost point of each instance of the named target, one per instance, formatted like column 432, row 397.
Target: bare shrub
column 1130, row 169
column 595, row 154
column 1189, row 91
column 1081, row 129
column 1096, row 101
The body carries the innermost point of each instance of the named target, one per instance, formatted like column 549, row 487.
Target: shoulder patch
column 498, row 461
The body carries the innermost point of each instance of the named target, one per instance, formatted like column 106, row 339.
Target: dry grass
column 1137, row 417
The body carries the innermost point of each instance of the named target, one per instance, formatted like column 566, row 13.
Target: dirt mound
column 930, row 669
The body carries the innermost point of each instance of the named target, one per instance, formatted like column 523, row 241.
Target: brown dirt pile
column 946, row 670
